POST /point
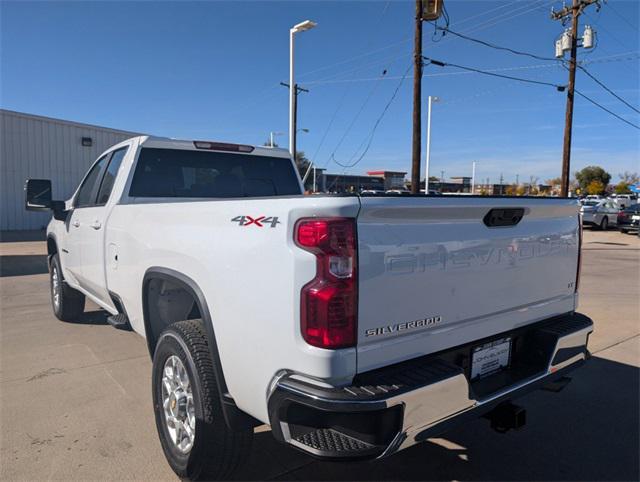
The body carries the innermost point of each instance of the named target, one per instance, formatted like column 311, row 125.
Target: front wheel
column 194, row 436
column 68, row 304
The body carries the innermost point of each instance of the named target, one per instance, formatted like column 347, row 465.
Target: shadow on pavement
column 589, row 431
column 11, row 265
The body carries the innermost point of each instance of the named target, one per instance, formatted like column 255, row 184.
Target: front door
column 71, row 254
column 93, row 231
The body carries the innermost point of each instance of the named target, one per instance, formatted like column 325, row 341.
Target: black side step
column 120, row 321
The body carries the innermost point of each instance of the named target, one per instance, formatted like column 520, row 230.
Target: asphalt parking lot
column 75, row 399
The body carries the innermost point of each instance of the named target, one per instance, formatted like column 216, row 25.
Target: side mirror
column 38, row 198
column 38, row 195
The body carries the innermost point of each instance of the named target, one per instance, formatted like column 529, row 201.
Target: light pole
column 473, row 177
column 271, row 136
column 426, row 179
column 301, row 27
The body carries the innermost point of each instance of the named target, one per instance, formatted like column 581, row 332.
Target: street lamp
column 301, row 27
column 426, row 180
column 272, row 135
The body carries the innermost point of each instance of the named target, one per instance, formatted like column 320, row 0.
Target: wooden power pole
column 417, row 101
column 574, row 12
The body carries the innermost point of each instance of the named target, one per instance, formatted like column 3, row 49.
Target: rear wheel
column 194, row 436
column 624, row 231
column 604, row 224
column 68, row 304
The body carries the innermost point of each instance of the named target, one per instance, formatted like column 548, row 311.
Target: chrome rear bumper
column 393, row 408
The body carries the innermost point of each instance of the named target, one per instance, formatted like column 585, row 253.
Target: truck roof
column 214, row 145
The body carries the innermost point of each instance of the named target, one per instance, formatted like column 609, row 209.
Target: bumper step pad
column 325, row 441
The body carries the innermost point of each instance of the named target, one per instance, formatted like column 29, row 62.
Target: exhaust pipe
column 507, row 416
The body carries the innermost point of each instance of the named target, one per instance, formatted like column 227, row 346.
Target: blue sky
column 211, row 70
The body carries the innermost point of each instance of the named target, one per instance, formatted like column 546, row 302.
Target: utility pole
column 574, row 12
column 294, row 118
column 417, row 100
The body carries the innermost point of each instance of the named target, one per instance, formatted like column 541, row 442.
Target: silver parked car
column 599, row 213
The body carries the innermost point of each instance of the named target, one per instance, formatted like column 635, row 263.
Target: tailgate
column 433, row 275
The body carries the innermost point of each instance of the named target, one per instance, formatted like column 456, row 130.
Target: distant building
column 392, row 179
column 33, row 146
column 341, row 183
column 348, row 183
column 492, row 189
column 456, row 184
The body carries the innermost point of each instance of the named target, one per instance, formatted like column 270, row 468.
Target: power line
column 558, row 87
column 346, row 90
column 622, row 17
column 494, row 46
column 605, row 109
column 377, row 122
column 620, row 57
column 608, row 89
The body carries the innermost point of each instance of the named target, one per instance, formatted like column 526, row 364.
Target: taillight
column 329, row 302
column 579, row 253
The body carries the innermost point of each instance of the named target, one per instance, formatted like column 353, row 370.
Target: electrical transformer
column 588, row 37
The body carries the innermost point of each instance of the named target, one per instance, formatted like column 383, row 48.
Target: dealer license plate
column 490, row 358
column 635, row 217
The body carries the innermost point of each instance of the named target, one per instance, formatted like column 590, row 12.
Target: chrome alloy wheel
column 177, row 402
column 55, row 287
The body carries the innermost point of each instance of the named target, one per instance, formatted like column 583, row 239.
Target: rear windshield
column 591, row 203
column 204, row 174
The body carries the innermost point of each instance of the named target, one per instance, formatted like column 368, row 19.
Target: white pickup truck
column 354, row 326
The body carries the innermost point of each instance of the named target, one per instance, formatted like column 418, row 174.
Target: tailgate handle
column 501, row 217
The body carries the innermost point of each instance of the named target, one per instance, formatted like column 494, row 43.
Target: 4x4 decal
column 259, row 221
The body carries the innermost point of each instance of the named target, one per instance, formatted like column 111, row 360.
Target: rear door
column 433, row 275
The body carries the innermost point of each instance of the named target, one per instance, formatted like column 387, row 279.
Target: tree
column 629, row 177
column 521, row 190
column 593, row 173
column 622, row 188
column 595, row 187
column 302, row 163
column 555, row 184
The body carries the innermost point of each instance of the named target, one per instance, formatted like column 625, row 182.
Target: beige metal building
column 33, row 146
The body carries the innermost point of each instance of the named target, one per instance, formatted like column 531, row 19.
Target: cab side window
column 109, row 177
column 87, row 192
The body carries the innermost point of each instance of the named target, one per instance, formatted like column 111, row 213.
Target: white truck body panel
column 418, row 259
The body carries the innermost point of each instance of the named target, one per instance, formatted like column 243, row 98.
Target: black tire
column 217, row 451
column 604, row 224
column 624, row 231
column 70, row 302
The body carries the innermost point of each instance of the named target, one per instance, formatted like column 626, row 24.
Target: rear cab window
column 181, row 173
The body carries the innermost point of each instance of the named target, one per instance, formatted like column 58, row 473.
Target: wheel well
column 166, row 301
column 52, row 247
column 169, row 296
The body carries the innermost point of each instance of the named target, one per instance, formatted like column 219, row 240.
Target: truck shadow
column 589, row 431
column 23, row 265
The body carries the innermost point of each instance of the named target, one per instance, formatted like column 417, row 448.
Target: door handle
column 76, row 223
column 96, row 224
